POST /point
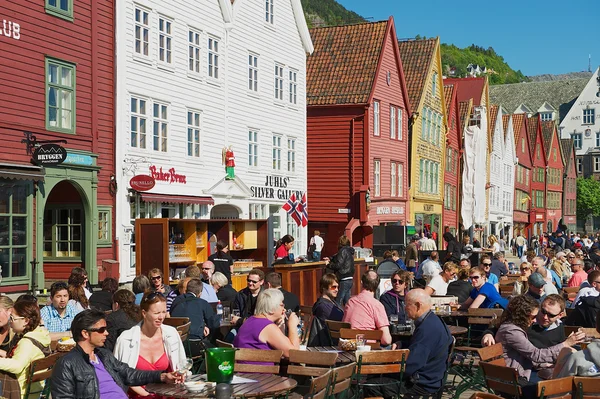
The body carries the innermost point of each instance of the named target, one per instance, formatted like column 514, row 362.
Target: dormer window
column 546, row 116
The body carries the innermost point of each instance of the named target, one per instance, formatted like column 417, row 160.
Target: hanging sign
column 49, row 154
column 142, row 182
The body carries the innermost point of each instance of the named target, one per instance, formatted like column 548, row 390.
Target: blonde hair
column 268, row 302
column 220, row 279
column 5, row 302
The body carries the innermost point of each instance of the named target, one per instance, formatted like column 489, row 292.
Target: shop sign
column 386, row 210
column 169, row 176
column 79, row 159
column 343, row 210
column 428, row 208
column 539, row 216
column 142, row 182
column 49, row 154
column 10, row 29
column 275, row 187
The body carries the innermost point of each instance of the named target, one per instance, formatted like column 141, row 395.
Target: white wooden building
column 194, row 78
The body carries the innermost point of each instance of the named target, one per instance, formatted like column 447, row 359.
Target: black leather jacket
column 75, row 377
column 342, row 263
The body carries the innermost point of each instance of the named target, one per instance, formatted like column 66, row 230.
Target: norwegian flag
column 291, row 207
column 303, row 210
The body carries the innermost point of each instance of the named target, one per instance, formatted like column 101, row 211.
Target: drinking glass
column 226, row 315
column 360, row 340
column 235, row 312
column 394, row 318
column 184, row 366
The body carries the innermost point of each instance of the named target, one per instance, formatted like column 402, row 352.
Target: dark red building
column 538, row 179
column 453, row 153
column 554, row 174
column 357, row 132
column 523, row 174
column 58, row 66
column 570, row 185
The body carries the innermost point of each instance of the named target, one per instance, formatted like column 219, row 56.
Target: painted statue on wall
column 228, row 159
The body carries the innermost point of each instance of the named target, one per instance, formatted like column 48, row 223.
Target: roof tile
column 532, row 126
column 493, row 116
column 567, row 149
column 417, row 56
column 505, row 119
column 518, row 120
column 465, row 112
column 547, row 132
column 448, row 92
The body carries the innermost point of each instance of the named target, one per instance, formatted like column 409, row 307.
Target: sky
column 536, row 37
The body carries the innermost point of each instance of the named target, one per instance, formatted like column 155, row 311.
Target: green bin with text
column 219, row 364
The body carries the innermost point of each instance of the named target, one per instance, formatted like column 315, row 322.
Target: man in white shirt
column 593, row 290
column 427, row 244
column 439, row 284
column 430, row 267
column 318, row 242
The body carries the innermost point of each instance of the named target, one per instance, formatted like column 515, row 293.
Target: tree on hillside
column 588, row 198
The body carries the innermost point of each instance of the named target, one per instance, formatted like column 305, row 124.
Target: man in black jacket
column 199, row 311
column 290, row 300
column 92, row 372
column 245, row 300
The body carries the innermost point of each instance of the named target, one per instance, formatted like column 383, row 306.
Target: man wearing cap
column 549, row 287
column 412, row 254
column 536, row 287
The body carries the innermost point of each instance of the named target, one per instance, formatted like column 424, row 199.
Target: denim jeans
column 344, row 292
column 316, row 256
column 520, row 251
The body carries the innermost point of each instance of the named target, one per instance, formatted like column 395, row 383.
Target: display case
column 172, row 244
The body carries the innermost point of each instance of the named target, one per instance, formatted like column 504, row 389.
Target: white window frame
column 213, row 57
column 400, row 177
column 253, row 148
column 546, row 116
column 165, row 40
column 597, row 140
column 160, row 136
column 194, row 51
column 194, row 123
column 259, row 211
column 589, row 116
column 392, row 122
column 577, row 140
column 291, row 155
column 376, row 120
column 276, row 154
column 393, row 178
column 278, row 82
column 596, row 160
column 139, row 119
column 377, row 177
column 269, row 5
column 579, row 165
column 399, row 115
column 141, row 26
column 253, row 72
column 293, row 86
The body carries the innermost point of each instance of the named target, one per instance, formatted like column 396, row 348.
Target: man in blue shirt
column 59, row 315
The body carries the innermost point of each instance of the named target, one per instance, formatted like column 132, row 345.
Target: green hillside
column 328, row 13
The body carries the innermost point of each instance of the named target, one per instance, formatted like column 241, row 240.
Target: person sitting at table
column 429, row 268
column 364, row 312
column 139, row 286
column 125, row 314
column 461, row 288
column 583, row 363
column 89, row 371
column 290, row 300
column 325, row 308
column 225, row 292
column 396, row 258
column 494, row 245
column 519, row 352
column 549, row 287
column 283, row 248
column 483, row 295
column 499, row 265
column 246, row 299
column 593, row 290
column 58, row 315
column 485, row 262
column 150, row 345
column 208, row 292
column 393, row 300
column 157, row 281
column 30, row 342
column 262, row 331
column 102, row 300
column 208, row 269
column 200, row 313
column 521, row 286
column 536, row 285
column 439, row 284
column 579, row 275
column 77, row 297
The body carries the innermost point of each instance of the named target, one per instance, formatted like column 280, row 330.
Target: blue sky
column 534, row 36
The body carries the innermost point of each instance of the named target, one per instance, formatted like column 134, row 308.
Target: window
column 393, row 178
column 577, row 140
column 142, row 32
column 434, row 84
column 393, row 122
column 527, row 177
column 579, row 165
column 597, row 140
column 399, row 117
column 160, row 128
column 104, row 226
column 165, row 39
column 539, row 198
column 276, row 152
column 258, row 211
column 139, row 122
column 400, row 176
column 252, row 72
column 523, row 145
column 293, row 86
column 213, row 58
column 537, row 152
column 424, row 124
column 554, row 154
column 376, row 118
column 540, row 175
column 194, row 51
column 14, row 224
column 589, row 116
column 252, row 148
column 60, row 8
column 546, row 116
column 62, row 232
column 596, row 163
column 291, row 155
column 193, row 134
column 377, row 177
column 60, row 96
column 279, row 82
column 422, row 175
column 269, row 11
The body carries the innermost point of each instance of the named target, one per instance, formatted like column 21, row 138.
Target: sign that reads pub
column 49, row 154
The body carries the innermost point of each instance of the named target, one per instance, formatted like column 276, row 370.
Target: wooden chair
column 335, row 327
column 184, row 331
column 492, row 354
column 370, row 335
column 341, row 381
column 481, row 318
column 319, row 387
column 305, row 310
column 223, row 344
column 307, row 320
column 176, row 321
column 257, row 355
column 586, row 388
column 311, row 364
column 483, row 395
column 380, row 363
column 506, row 290
column 570, row 293
column 41, row 370
column 501, row 379
column 561, row 388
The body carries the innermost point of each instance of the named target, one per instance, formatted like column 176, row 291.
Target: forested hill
column 328, row 13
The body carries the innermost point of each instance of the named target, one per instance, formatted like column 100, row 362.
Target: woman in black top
column 102, row 300
column 461, row 288
column 222, row 260
column 125, row 315
column 225, row 292
column 453, row 250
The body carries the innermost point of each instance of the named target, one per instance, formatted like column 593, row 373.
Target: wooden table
column 454, row 330
column 344, row 357
column 266, row 385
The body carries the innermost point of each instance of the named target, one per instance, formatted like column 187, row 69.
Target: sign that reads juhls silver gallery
column 275, row 187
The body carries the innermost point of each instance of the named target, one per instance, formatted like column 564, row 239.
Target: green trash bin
column 219, row 364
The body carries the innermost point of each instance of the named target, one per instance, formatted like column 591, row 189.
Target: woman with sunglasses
column 30, row 342
column 521, row 286
column 484, row 294
column 393, row 300
column 150, row 345
column 157, row 284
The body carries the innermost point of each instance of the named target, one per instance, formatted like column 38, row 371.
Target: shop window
column 60, row 8
column 104, row 226
column 60, row 96
column 13, row 229
column 258, row 211
column 63, row 233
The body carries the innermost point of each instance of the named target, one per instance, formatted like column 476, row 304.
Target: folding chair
column 304, row 364
column 586, row 388
column 334, row 329
column 342, row 380
column 41, row 370
column 388, row 364
column 501, row 379
column 319, row 387
column 560, row 388
column 483, row 395
column 246, row 361
column 176, row 321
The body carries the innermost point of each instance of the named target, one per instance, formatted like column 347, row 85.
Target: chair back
column 307, row 320
column 506, row 290
column 342, row 379
column 268, row 361
column 502, row 379
column 311, row 363
column 335, row 327
column 305, row 310
column 483, row 316
column 223, row 344
column 492, row 354
column 560, row 388
column 176, row 321
column 382, row 362
column 370, row 335
column 484, row 395
column 319, row 386
column 41, row 370
column 184, row 331
column 586, row 387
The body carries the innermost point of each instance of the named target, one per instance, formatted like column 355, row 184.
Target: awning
column 22, row 172
column 176, row 199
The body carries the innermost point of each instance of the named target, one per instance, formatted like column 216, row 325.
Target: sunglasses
column 155, row 278
column 474, row 277
column 207, row 268
column 550, row 315
column 99, row 330
column 334, row 287
column 252, row 281
column 571, row 257
column 153, row 296
column 524, row 269
column 486, row 264
column 396, row 280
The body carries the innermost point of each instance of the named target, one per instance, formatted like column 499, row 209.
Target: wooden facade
column 69, row 53
column 523, row 174
column 452, row 173
column 569, row 205
column 554, row 174
column 538, row 179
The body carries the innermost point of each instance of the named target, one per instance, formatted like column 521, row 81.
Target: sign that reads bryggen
column 275, row 187
column 49, row 154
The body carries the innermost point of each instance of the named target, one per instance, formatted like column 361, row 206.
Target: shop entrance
column 426, row 223
column 224, row 211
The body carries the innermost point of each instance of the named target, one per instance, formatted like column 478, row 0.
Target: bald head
column 418, row 302
column 208, row 269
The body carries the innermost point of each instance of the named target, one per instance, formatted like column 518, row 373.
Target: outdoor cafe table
column 454, row 330
column 344, row 357
column 265, row 385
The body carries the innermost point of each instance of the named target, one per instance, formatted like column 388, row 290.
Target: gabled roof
column 464, row 110
column 448, row 95
column 561, row 94
column 567, row 146
column 342, row 68
column 505, row 119
column 518, row 120
column 417, row 57
column 547, row 133
column 468, row 88
column 493, row 115
column 532, row 127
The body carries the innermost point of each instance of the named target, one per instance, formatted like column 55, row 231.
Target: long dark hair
column 126, row 301
column 519, row 311
column 286, row 239
column 24, row 307
column 76, row 291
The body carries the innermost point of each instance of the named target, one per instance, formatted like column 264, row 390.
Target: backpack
column 585, row 312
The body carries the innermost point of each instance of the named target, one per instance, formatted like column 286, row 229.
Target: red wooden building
column 554, row 174
column 452, row 175
column 58, row 66
column 570, row 185
column 523, row 174
column 357, row 132
column 538, row 179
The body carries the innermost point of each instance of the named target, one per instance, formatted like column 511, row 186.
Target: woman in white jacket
column 150, row 345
